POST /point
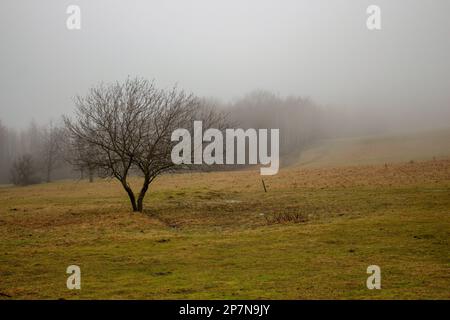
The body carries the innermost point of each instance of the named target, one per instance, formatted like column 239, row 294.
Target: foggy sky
column 321, row 49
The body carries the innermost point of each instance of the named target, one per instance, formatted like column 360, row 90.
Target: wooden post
column 264, row 185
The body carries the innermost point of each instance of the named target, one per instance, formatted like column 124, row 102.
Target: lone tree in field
column 126, row 128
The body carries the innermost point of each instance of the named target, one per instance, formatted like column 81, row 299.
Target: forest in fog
column 41, row 150
column 41, row 147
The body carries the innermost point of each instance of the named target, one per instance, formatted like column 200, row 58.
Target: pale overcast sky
column 317, row 48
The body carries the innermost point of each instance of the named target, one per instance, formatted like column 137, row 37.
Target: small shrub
column 287, row 217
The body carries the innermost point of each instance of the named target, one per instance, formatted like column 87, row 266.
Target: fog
column 398, row 75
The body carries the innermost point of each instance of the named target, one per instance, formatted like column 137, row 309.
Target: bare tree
column 51, row 149
column 128, row 126
column 4, row 161
column 81, row 156
column 23, row 171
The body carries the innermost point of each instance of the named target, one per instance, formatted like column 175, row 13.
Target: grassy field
column 219, row 235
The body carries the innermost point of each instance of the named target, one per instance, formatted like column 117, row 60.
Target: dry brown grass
column 206, row 235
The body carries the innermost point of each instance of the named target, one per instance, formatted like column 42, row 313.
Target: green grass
column 206, row 236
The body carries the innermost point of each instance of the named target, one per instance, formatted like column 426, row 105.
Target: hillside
column 416, row 146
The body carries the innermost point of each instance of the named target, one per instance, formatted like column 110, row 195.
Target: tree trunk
column 91, row 175
column 130, row 195
column 140, row 204
column 140, row 201
column 49, row 174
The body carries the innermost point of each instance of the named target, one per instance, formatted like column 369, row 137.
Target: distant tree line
column 31, row 155
column 123, row 129
column 299, row 119
column 48, row 153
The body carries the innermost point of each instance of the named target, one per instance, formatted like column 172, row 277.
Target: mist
column 310, row 68
column 318, row 49
column 224, row 149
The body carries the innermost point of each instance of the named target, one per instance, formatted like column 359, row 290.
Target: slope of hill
column 378, row 149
